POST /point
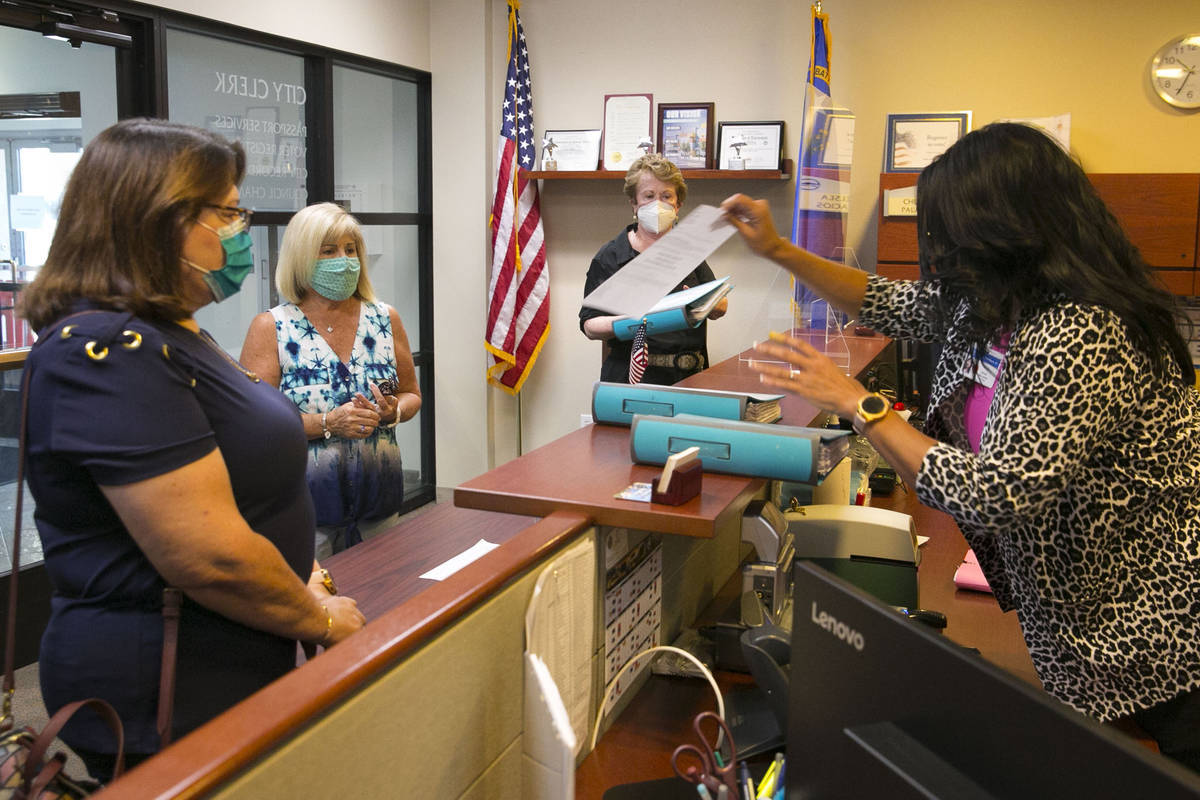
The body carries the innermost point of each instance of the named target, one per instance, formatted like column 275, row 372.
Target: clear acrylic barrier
column 821, row 326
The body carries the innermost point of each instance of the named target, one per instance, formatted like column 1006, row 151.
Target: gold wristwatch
column 327, row 581
column 871, row 407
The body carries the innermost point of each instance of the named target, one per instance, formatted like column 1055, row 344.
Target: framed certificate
column 758, row 144
column 627, row 119
column 832, row 141
column 685, row 134
column 571, row 150
column 915, row 140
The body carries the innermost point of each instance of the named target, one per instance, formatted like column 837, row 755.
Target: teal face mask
column 336, row 278
column 239, row 260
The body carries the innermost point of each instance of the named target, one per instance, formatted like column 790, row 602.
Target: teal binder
column 677, row 311
column 617, row 403
column 782, row 452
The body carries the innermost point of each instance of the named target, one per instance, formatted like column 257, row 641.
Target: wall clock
column 1175, row 71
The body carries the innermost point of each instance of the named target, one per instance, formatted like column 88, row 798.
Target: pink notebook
column 970, row 576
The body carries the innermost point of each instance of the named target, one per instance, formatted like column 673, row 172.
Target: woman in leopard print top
column 1079, row 488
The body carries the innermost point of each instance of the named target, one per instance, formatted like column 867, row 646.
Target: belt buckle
column 686, row 361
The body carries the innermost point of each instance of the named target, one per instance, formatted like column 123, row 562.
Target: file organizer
column 784, row 452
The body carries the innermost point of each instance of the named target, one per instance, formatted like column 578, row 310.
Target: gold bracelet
column 328, row 626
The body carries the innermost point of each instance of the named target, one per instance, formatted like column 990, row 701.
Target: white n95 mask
column 656, row 217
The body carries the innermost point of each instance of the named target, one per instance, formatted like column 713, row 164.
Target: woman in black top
column 656, row 191
column 154, row 457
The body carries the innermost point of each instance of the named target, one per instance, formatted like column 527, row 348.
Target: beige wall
column 999, row 59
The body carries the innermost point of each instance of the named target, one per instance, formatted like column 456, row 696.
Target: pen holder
column 685, row 484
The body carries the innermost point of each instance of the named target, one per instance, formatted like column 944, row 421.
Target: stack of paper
column 762, row 410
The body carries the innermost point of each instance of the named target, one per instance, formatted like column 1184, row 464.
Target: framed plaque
column 685, row 134
column 571, row 150
column 915, row 140
column 759, row 145
column 832, row 140
column 627, row 119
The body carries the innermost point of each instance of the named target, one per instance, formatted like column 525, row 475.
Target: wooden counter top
column 582, row 471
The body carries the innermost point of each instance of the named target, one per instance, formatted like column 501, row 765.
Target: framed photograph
column 915, row 140
column 758, row 144
column 831, row 145
column 571, row 150
column 627, row 132
column 685, row 134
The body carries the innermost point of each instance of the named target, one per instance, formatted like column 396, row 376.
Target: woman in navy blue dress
column 155, row 458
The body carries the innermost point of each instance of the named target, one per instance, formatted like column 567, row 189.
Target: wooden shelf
column 688, row 174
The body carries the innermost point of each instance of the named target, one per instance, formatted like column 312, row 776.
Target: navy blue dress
column 133, row 415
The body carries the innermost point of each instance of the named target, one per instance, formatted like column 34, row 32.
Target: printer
column 873, row 548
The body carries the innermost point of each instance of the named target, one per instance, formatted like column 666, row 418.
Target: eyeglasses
column 243, row 214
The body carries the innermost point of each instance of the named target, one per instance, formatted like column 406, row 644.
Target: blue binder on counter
column 783, row 452
column 616, row 403
column 677, row 311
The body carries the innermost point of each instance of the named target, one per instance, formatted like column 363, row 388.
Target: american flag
column 519, row 309
column 638, row 356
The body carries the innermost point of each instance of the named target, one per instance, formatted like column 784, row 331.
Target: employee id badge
column 988, row 367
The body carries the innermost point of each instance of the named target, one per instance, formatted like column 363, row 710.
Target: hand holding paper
column 654, row 273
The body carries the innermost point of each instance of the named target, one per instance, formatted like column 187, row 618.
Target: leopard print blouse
column 1083, row 504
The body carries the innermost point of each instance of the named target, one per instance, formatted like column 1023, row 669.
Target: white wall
column 738, row 57
column 391, row 30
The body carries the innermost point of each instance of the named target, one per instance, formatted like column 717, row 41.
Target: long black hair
column 1008, row 222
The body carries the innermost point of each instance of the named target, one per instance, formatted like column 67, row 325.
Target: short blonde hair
column 309, row 229
column 660, row 167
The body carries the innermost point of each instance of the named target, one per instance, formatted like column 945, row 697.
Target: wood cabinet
column 1159, row 211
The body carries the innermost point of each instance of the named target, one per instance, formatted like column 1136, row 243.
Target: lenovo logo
column 838, row 628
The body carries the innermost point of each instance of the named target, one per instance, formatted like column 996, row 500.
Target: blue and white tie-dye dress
column 350, row 479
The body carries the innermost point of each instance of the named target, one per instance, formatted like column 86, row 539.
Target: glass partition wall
column 298, row 110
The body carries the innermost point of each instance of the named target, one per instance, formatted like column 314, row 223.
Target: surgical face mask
column 336, row 278
column 239, row 260
column 656, row 217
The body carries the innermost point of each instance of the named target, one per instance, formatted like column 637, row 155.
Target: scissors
column 700, row 765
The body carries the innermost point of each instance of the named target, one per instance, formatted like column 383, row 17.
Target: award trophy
column 645, row 145
column 737, row 162
column 548, row 148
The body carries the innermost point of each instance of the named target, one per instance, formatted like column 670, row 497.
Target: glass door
column 54, row 97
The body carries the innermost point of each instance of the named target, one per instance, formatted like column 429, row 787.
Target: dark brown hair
column 124, row 215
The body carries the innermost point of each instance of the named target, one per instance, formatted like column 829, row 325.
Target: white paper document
column 453, row 565
column 559, row 625
column 651, row 276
